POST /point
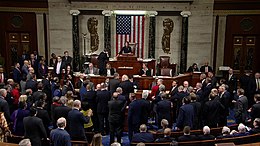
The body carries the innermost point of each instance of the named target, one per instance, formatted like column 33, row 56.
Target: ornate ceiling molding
column 235, row 12
column 19, row 9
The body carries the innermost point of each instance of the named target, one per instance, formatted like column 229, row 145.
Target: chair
column 94, row 59
column 164, row 62
column 166, row 72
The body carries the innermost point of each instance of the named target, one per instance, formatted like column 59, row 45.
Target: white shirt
column 58, row 68
column 108, row 72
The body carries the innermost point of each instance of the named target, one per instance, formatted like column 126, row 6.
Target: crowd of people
column 39, row 104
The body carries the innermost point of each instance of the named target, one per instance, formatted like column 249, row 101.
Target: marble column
column 107, row 30
column 152, row 25
column 75, row 37
column 184, row 40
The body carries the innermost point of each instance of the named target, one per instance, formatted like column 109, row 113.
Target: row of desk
column 146, row 82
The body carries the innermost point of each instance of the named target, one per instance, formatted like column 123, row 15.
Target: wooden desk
column 124, row 63
column 145, row 82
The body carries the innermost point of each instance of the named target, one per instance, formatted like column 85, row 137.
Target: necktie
column 206, row 69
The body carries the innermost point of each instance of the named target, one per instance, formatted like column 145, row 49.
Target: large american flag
column 130, row 28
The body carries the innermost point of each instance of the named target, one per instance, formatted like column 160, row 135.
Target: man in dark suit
column 206, row 134
column 34, row 63
column 4, row 107
column 143, row 136
column 127, row 86
column 34, row 128
column 199, row 91
column 146, row 107
column 186, row 135
column 114, row 83
column 58, row 67
column 206, row 90
column 76, row 122
column 213, row 79
column 67, row 59
column 31, row 83
column 39, row 94
column 61, row 111
column 109, row 71
column 225, row 100
column 102, row 61
column 197, row 111
column 60, row 136
column 115, row 118
column 174, row 89
column 211, row 111
column 134, row 115
column 163, row 109
column 206, row 68
column 245, row 81
column 102, row 98
column 232, row 83
column 17, row 74
column 186, row 114
column 255, row 110
column 43, row 114
column 255, row 84
column 241, row 107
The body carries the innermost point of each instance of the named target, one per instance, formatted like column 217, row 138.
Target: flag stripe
column 143, row 37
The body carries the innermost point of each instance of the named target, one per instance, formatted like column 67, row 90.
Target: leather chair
column 94, row 60
column 166, row 72
column 164, row 62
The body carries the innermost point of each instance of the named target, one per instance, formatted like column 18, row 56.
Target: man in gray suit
column 241, row 106
column 91, row 69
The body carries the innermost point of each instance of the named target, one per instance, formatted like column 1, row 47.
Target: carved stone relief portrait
column 167, row 30
column 94, row 38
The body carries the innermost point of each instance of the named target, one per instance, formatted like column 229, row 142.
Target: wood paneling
column 235, row 27
column 18, row 30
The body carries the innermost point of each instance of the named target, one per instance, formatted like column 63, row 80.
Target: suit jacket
column 146, row 109
column 148, row 72
column 185, row 117
column 60, row 137
column 202, row 68
column 42, row 72
column 90, row 97
column 143, row 137
column 62, row 66
column 225, row 100
column 76, row 121
column 245, row 82
column 125, row 50
column 67, row 61
column 95, row 71
column 52, row 62
column 211, row 112
column 255, row 112
column 165, row 139
column 4, row 107
column 25, row 70
column 173, row 91
column 206, row 137
column 113, row 84
column 206, row 92
column 112, row 72
column 241, row 107
column 37, row 95
column 61, row 111
column 43, row 114
column 17, row 75
column 34, row 130
column 191, row 69
column 31, row 84
column 232, row 84
column 197, row 114
column 135, row 113
column 102, row 60
column 199, row 94
column 127, row 87
column 102, row 99
column 187, row 138
column 115, row 111
column 163, row 109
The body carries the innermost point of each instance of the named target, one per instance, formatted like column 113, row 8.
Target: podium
column 129, row 64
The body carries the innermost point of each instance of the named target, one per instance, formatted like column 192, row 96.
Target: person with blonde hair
column 3, row 128
column 96, row 140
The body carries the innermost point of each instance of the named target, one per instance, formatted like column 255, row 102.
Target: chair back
column 164, row 61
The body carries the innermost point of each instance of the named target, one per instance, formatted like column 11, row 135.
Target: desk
column 145, row 82
column 131, row 65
